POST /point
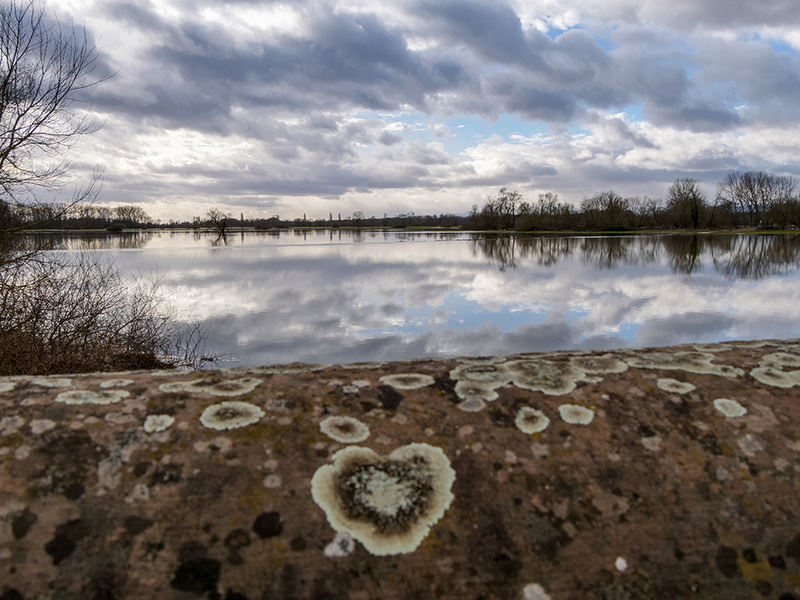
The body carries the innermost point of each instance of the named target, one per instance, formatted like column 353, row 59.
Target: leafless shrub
column 64, row 315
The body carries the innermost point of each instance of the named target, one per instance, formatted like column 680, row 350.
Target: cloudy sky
column 318, row 106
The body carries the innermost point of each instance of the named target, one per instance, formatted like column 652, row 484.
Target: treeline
column 751, row 199
column 73, row 216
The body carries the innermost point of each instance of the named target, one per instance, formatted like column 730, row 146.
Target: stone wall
column 664, row 473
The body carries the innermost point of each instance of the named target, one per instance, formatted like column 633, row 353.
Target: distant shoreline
column 534, row 232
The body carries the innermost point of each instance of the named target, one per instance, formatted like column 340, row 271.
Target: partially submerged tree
column 218, row 221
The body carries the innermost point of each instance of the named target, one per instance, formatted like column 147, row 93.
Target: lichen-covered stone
column 667, row 495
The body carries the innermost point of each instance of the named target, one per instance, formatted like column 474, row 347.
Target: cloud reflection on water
column 322, row 298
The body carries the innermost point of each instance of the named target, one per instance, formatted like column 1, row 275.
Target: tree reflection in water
column 749, row 257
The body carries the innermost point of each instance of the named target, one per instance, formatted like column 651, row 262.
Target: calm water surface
column 340, row 296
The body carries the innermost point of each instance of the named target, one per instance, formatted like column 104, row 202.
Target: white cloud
column 305, row 106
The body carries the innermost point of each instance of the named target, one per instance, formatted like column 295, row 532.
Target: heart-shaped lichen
column 388, row 503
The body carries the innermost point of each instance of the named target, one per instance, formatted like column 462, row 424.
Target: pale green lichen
column 90, row 397
column 110, row 383
column 231, row 415
column 471, row 405
column 157, row 423
column 345, row 430
column 7, row 386
column 775, row 377
column 474, row 394
column 291, row 368
column 575, row 414
column 730, row 408
column 781, row 359
column 599, row 365
column 692, row 362
column 214, row 385
column 52, row 382
column 482, row 360
column 530, row 420
column 489, row 374
column 534, row 591
column 674, row 386
column 476, row 384
column 387, row 503
column 364, row 365
column 552, row 378
column 407, row 381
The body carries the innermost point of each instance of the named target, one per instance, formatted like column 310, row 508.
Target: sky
column 313, row 107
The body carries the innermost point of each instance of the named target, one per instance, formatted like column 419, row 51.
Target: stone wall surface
column 651, row 473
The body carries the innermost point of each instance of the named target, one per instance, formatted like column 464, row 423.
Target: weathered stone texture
column 649, row 490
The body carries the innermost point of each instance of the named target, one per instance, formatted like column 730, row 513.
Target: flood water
column 344, row 296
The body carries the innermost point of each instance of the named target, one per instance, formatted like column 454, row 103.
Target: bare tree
column 508, row 205
column 686, row 202
column 758, row 196
column 58, row 313
column 46, row 68
column 606, row 210
column 218, row 221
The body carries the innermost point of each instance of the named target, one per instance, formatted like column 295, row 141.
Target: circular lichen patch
column 575, row 414
column 730, row 408
column 407, row 381
column 156, row 423
column 471, row 405
column 231, row 414
column 530, row 420
column 345, row 430
column 552, row 378
column 90, row 397
column 388, row 503
column 674, row 386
